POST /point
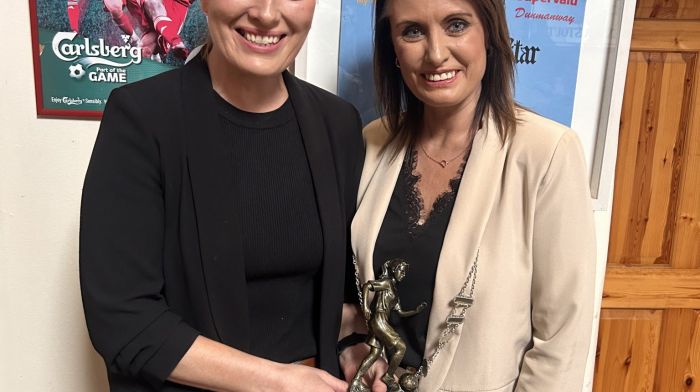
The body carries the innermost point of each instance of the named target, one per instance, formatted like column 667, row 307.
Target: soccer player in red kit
column 73, row 9
column 164, row 17
column 121, row 19
column 167, row 17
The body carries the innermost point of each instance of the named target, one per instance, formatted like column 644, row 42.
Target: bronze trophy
column 381, row 334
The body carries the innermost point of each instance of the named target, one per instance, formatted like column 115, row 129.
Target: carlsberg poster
column 83, row 49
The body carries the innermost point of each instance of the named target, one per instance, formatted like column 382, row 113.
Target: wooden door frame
column 604, row 161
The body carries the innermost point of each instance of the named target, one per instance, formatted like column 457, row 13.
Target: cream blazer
column 525, row 208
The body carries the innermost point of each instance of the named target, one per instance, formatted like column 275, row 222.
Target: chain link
column 451, row 328
column 357, row 285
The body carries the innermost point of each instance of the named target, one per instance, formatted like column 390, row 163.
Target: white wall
column 44, row 343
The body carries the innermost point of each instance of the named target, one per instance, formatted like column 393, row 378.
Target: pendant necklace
column 443, row 162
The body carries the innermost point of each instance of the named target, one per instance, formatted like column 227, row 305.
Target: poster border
column 38, row 82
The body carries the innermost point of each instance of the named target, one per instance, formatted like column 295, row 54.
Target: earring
column 396, row 62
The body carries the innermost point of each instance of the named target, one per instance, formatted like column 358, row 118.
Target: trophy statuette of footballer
column 381, row 334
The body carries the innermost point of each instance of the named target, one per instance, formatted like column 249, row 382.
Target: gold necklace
column 444, row 162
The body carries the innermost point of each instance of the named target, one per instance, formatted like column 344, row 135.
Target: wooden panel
column 679, row 352
column 658, row 35
column 650, row 146
column 686, row 244
column 628, row 342
column 630, row 119
column 668, row 9
column 667, row 160
column 651, row 288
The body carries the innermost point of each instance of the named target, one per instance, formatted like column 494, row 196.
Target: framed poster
column 83, row 49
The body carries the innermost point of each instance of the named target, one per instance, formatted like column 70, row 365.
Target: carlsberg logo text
column 67, row 50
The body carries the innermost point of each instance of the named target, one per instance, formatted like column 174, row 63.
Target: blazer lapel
column 210, row 165
column 372, row 206
column 317, row 144
column 477, row 191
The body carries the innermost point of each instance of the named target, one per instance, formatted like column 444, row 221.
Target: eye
column 412, row 33
column 457, row 26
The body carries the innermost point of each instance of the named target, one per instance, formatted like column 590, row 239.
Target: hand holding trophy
column 381, row 334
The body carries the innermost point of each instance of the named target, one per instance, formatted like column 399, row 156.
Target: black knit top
column 282, row 237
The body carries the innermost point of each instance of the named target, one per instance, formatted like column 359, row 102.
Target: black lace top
column 402, row 235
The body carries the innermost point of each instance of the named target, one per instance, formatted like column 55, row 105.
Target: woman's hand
column 214, row 366
column 295, row 378
column 350, row 360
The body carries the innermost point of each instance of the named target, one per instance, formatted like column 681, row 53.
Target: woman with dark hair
column 487, row 202
column 215, row 214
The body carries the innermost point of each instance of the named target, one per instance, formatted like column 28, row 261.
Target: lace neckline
column 414, row 200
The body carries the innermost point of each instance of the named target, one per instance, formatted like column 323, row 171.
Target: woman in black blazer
column 215, row 215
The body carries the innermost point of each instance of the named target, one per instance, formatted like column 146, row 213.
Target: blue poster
column 545, row 39
column 355, row 57
column 546, row 42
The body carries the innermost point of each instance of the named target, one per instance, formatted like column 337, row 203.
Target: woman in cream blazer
column 518, row 208
column 522, row 212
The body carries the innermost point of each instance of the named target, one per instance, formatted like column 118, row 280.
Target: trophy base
column 409, row 381
column 358, row 387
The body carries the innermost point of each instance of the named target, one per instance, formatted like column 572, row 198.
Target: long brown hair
column 402, row 112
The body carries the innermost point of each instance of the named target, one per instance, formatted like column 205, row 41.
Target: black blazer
column 160, row 252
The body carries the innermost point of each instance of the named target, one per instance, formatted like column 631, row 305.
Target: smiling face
column 441, row 50
column 257, row 37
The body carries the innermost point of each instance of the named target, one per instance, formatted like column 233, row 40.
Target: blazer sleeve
column 121, row 240
column 563, row 275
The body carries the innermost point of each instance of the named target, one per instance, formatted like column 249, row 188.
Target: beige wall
column 44, row 343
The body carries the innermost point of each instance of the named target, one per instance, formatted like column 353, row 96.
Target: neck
column 448, row 127
column 247, row 92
